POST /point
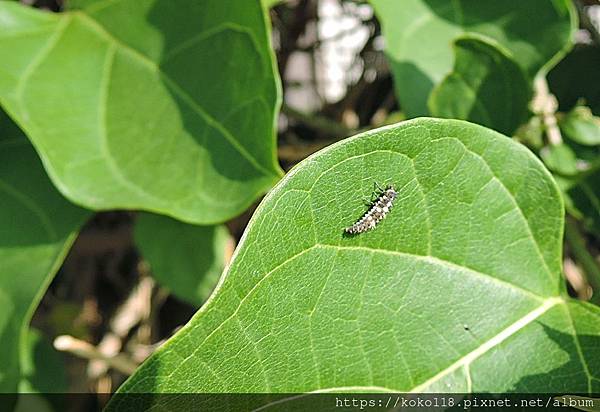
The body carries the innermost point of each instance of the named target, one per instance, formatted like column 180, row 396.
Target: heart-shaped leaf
column 146, row 104
column 187, row 259
column 37, row 226
column 459, row 288
column 419, row 35
column 486, row 86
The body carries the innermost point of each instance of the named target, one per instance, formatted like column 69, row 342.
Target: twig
column 133, row 311
column 88, row 351
column 578, row 247
column 577, row 279
column 135, row 308
column 544, row 104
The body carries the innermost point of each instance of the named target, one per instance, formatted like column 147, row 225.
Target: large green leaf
column 419, row 35
column 146, row 104
column 458, row 289
column 37, row 226
column 486, row 86
column 187, row 259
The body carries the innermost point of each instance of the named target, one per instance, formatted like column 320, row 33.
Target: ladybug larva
column 378, row 211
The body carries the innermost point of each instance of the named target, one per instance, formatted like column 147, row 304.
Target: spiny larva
column 378, row 211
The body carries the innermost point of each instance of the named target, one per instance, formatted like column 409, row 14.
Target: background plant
column 172, row 109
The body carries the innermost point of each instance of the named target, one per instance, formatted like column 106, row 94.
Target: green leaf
column 458, row 289
column 146, row 104
column 575, row 78
column 186, row 259
column 419, row 35
column 531, row 133
column 581, row 126
column 37, row 226
column 561, row 159
column 43, row 372
column 486, row 86
column 43, row 367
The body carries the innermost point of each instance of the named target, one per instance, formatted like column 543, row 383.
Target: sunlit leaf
column 458, row 289
column 159, row 105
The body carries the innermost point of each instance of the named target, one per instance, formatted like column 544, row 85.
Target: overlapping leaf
column 37, row 226
column 43, row 373
column 486, row 86
column 458, row 289
column 187, row 259
column 419, row 35
column 580, row 126
column 152, row 104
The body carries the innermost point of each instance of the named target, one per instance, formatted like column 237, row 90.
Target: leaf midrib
column 439, row 262
column 199, row 110
column 466, row 149
column 112, row 40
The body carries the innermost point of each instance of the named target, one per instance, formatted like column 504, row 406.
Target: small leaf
column 581, row 126
column 187, row 259
column 531, row 133
column 561, row 159
column 37, row 226
column 485, row 87
column 419, row 35
column 146, row 104
column 459, row 289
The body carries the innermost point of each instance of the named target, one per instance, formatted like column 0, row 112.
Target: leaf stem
column 544, row 105
column 88, row 351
